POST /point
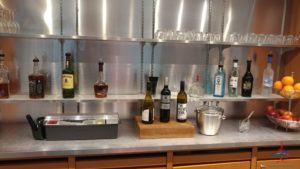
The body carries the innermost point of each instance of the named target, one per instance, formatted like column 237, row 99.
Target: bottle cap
column 270, row 55
column 235, row 60
column 35, row 59
column 68, row 56
column 1, row 53
column 220, row 66
column 100, row 61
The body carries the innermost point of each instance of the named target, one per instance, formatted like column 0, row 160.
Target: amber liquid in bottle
column 100, row 87
column 36, row 82
column 4, row 81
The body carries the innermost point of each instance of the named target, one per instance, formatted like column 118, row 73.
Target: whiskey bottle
column 100, row 87
column 36, row 81
column 4, row 79
column 68, row 78
column 148, row 107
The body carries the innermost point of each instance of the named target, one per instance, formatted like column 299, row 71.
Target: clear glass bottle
column 255, row 73
column 68, row 82
column 233, row 80
column 165, row 102
column 148, row 106
column 196, row 90
column 181, row 113
column 219, row 82
column 268, row 76
column 4, row 78
column 100, row 87
column 36, row 81
column 247, row 81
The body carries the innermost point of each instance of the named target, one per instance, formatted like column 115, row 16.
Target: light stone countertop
column 16, row 141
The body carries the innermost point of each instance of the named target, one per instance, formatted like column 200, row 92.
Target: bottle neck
column 67, row 64
column 35, row 68
column 100, row 75
column 248, row 66
column 166, row 83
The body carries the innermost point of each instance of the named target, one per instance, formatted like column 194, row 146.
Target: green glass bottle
column 148, row 107
column 181, row 114
column 68, row 78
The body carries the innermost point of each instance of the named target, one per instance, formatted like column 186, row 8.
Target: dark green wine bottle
column 181, row 114
column 68, row 78
column 148, row 107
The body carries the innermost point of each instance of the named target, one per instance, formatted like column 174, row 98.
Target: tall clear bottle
column 36, row 81
column 181, row 113
column 68, row 82
column 165, row 102
column 100, row 87
column 268, row 76
column 4, row 79
column 233, row 80
column 247, row 81
column 219, row 82
column 196, row 90
column 148, row 106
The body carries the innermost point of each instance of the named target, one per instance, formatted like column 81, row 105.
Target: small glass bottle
column 233, row 80
column 247, row 81
column 219, row 83
column 100, row 87
column 68, row 82
column 268, row 76
column 36, row 81
column 196, row 90
column 181, row 114
column 148, row 107
column 4, row 79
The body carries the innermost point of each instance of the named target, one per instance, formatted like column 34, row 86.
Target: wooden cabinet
column 278, row 164
column 228, row 165
column 35, row 164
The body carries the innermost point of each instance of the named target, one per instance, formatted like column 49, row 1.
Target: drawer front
column 277, row 164
column 229, row 165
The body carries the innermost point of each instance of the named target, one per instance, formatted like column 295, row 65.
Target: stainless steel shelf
column 137, row 97
column 146, row 40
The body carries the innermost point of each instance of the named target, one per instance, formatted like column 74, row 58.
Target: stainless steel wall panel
column 69, row 17
column 182, row 15
column 109, row 18
column 121, row 66
column 36, row 16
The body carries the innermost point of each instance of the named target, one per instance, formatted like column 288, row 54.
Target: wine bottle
column 36, row 81
column 268, row 76
column 247, row 81
column 165, row 102
column 219, row 83
column 148, row 107
column 233, row 80
column 181, row 114
column 4, row 79
column 68, row 78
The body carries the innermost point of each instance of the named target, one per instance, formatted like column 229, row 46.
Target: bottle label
column 146, row 114
column 36, row 88
column 39, row 87
column 68, row 81
column 165, row 102
column 32, row 87
column 233, row 82
column 247, row 85
column 218, row 85
column 181, row 111
column 268, row 82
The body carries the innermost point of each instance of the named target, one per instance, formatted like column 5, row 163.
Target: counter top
column 16, row 141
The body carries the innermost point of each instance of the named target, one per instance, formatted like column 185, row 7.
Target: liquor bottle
column 165, row 102
column 36, row 81
column 247, row 81
column 196, row 90
column 233, row 80
column 4, row 79
column 181, row 114
column 255, row 73
column 148, row 107
column 100, row 87
column 219, row 83
column 268, row 76
column 68, row 78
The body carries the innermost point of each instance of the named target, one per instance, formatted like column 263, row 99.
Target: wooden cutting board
column 172, row 129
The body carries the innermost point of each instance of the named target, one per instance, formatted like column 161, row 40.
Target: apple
column 270, row 109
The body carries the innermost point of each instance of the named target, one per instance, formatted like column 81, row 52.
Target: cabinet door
column 276, row 164
column 34, row 165
column 229, row 165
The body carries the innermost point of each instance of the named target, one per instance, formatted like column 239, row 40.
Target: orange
column 287, row 91
column 287, row 80
column 278, row 85
column 297, row 86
